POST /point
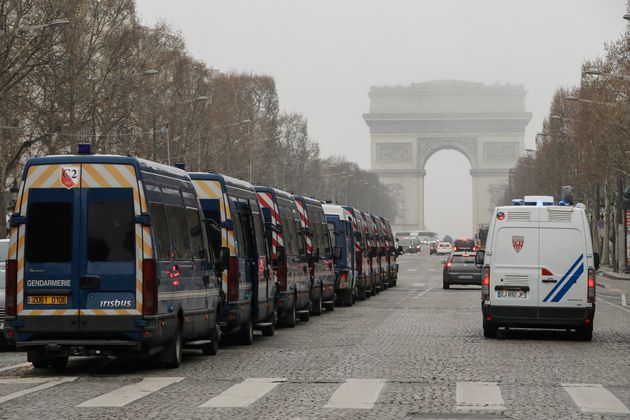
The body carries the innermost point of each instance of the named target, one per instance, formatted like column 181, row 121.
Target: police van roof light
column 84, row 149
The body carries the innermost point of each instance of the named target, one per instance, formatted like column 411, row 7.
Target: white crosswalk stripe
column 48, row 384
column 594, row 398
column 129, row 393
column 244, row 393
column 356, row 393
column 483, row 396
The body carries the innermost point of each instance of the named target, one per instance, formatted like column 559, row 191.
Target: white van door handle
column 549, row 281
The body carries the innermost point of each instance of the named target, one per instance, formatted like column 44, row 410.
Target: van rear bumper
column 537, row 317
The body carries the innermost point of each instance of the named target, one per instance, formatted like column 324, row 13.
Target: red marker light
column 175, row 282
column 500, row 215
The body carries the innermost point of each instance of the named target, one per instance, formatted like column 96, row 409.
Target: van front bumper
column 537, row 317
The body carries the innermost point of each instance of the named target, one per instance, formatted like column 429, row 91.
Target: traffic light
column 626, row 198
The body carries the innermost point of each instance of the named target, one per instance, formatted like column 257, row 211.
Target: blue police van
column 236, row 229
column 108, row 256
column 340, row 223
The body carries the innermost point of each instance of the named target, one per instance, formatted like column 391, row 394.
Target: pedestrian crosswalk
column 349, row 394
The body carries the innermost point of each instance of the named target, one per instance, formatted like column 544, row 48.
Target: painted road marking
column 624, row 302
column 412, row 269
column 244, row 393
column 419, row 295
column 19, row 365
column 18, row 381
column 479, row 396
column 594, row 398
column 356, row 393
column 49, row 384
column 129, row 393
column 418, row 284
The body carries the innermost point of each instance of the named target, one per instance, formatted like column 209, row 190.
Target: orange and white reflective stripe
column 304, row 222
column 265, row 199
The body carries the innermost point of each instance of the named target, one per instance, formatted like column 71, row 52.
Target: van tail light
column 448, row 265
column 149, row 288
column 454, row 248
column 11, row 288
column 343, row 279
column 233, row 279
column 591, row 286
column 485, row 284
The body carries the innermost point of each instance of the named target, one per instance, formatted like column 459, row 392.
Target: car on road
column 285, row 239
column 460, row 268
column 443, row 248
column 464, row 244
column 433, row 248
column 235, row 226
column 110, row 258
column 539, row 270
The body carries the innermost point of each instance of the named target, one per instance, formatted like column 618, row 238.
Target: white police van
column 538, row 270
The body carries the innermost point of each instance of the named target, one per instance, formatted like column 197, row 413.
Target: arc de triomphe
column 409, row 124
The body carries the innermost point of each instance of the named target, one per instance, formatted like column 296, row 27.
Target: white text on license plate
column 512, row 294
column 465, row 277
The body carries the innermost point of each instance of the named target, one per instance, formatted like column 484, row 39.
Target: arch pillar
column 487, row 190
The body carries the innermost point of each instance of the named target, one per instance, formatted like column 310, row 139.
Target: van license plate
column 47, row 300
column 465, row 277
column 512, row 294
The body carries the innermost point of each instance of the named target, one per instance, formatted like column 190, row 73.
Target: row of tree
column 76, row 71
column 585, row 143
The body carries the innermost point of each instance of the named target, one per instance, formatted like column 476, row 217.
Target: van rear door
column 47, row 249
column 515, row 270
column 562, row 260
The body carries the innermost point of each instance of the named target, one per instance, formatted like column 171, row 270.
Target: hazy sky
column 325, row 55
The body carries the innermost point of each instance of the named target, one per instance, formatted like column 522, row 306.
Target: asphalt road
column 414, row 351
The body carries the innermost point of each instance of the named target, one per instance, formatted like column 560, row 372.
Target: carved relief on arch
column 465, row 145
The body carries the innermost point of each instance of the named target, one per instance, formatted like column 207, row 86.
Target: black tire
column 362, row 293
column 213, row 348
column 348, row 298
column 290, row 319
column 246, row 334
column 373, row 290
column 317, row 305
column 40, row 365
column 38, row 359
column 58, row 362
column 173, row 350
column 445, row 285
column 584, row 333
column 330, row 307
column 489, row 329
column 395, row 282
column 270, row 330
column 305, row 316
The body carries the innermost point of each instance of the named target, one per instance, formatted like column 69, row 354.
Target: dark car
column 464, row 244
column 460, row 268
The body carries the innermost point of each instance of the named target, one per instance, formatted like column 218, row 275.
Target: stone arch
column 427, row 148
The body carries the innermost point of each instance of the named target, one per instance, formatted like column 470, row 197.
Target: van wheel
column 37, row 358
column 330, row 307
column 317, row 305
column 213, row 348
column 271, row 329
column 585, row 333
column 58, row 362
column 362, row 293
column 305, row 316
column 445, row 285
column 289, row 319
column 246, row 334
column 348, row 298
column 173, row 351
column 489, row 329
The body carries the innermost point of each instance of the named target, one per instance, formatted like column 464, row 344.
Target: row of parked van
column 113, row 255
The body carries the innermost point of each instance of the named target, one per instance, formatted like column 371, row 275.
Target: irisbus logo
column 116, row 303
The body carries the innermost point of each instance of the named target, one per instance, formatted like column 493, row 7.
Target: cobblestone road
column 414, row 351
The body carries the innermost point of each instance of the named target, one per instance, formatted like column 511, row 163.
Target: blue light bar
column 84, row 149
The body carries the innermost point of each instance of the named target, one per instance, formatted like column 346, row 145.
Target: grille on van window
column 518, row 215
column 560, row 215
column 515, row 279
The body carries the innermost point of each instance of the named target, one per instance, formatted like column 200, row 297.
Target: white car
column 443, row 248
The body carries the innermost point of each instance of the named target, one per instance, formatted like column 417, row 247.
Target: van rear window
column 49, row 232
column 110, row 225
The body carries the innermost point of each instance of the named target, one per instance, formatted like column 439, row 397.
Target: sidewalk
column 606, row 271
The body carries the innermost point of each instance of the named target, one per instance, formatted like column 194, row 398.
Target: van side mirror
column 479, row 257
column 596, row 260
column 282, row 255
column 224, row 259
column 337, row 252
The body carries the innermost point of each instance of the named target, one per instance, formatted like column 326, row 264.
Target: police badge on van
column 70, row 176
column 518, row 242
